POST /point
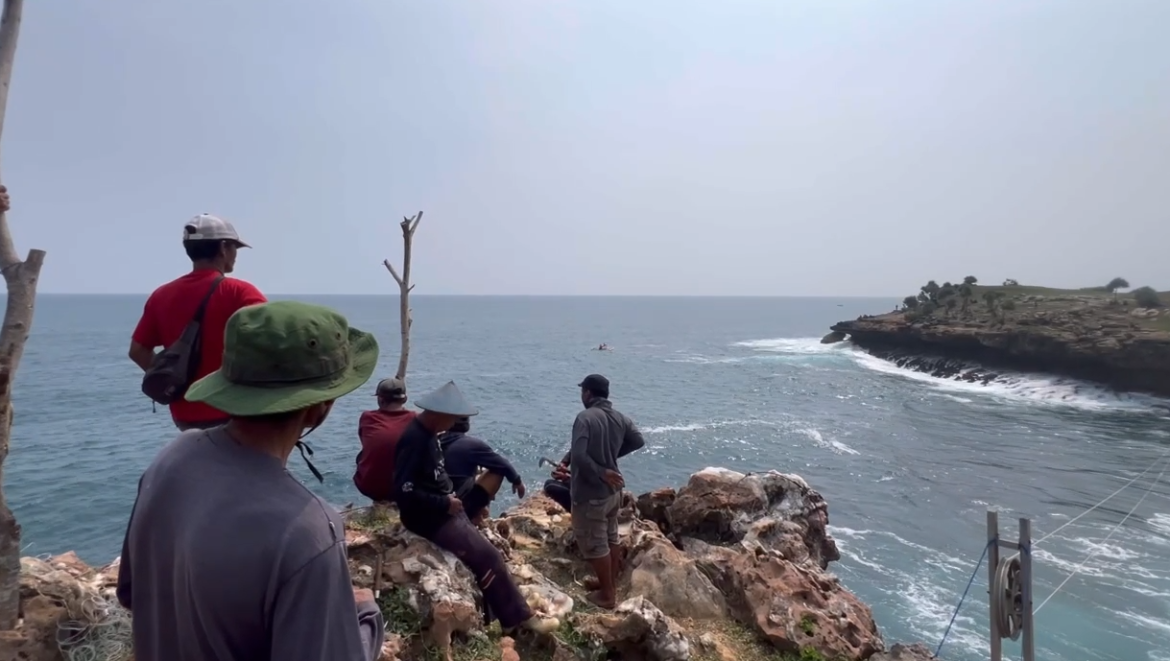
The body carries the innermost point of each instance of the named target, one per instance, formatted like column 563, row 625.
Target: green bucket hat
column 286, row 356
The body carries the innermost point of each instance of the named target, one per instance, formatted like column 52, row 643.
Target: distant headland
column 967, row 330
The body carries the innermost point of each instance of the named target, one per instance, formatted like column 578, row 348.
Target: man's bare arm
column 142, row 356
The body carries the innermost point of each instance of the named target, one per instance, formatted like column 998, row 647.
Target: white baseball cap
column 206, row 227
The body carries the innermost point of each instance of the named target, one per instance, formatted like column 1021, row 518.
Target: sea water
column 908, row 463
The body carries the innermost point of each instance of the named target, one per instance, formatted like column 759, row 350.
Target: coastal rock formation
column 777, row 510
column 731, row 566
column 901, row 652
column 833, row 337
column 1092, row 337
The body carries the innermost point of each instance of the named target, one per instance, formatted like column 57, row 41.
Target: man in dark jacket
column 601, row 435
column 465, row 456
column 429, row 508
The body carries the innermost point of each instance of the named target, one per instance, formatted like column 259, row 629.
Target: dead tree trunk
column 409, row 225
column 21, row 280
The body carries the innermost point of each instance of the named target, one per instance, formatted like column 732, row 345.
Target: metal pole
column 992, row 564
column 1028, row 649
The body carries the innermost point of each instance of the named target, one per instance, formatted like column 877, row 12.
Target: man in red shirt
column 211, row 243
column 379, row 431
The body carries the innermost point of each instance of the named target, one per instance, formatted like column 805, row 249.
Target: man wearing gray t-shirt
column 228, row 557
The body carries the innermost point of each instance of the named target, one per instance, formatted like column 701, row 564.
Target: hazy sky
column 597, row 147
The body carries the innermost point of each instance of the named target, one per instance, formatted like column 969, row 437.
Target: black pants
column 475, row 498
column 559, row 492
column 503, row 598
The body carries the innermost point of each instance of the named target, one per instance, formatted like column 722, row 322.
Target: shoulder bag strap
column 203, row 304
column 197, row 345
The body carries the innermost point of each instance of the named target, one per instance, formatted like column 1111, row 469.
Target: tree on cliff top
column 970, row 280
column 994, row 301
column 966, row 295
column 408, row 225
column 931, row 290
column 1147, row 297
column 20, row 277
column 1115, row 284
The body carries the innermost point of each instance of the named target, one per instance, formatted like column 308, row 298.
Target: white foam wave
column 1014, row 387
column 1144, row 589
column 703, row 360
column 1049, row 559
column 1149, row 623
column 961, row 400
column 806, row 346
column 1160, row 522
column 928, row 597
column 1017, row 387
column 933, row 607
column 1105, row 550
column 831, row 444
column 935, row 556
column 861, row 560
column 818, row 438
column 710, row 424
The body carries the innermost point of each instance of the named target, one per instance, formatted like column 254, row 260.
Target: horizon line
column 395, row 295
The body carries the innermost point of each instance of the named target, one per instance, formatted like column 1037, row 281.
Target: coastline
column 1085, row 334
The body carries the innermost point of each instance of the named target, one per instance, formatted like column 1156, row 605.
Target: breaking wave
column 967, row 379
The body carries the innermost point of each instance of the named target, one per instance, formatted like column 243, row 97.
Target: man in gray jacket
column 228, row 557
column 601, row 435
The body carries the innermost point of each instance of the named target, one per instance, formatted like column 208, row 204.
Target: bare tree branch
column 390, row 267
column 21, row 281
column 408, row 225
column 9, row 32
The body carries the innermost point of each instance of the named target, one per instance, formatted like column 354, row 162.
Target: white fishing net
column 94, row 626
column 104, row 634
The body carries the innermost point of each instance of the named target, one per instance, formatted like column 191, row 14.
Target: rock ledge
column 731, row 567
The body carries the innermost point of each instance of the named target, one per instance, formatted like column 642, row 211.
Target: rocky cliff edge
column 731, row 567
column 1093, row 337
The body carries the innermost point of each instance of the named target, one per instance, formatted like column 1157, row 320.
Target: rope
column 1117, row 527
column 104, row 634
column 1006, row 591
column 1104, row 500
column 962, row 599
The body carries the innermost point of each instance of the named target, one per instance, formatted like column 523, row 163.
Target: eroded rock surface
column 638, row 631
column 731, row 566
column 775, row 510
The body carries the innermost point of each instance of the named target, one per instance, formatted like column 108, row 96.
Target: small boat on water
column 603, row 347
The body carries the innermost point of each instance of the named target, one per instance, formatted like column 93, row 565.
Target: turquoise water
column 909, row 464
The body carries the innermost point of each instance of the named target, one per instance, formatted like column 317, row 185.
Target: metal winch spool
column 1007, row 598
